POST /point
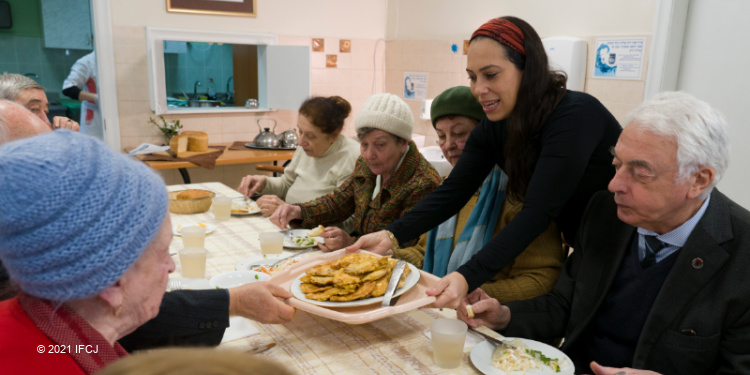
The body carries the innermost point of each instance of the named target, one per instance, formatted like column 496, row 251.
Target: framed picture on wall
column 245, row 8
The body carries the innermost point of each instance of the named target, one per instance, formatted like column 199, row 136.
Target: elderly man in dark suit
column 658, row 279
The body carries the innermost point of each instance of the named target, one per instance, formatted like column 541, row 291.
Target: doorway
column 41, row 44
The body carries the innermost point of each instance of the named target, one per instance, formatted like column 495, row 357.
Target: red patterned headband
column 504, row 32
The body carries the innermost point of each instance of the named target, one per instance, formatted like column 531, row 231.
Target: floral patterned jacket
column 413, row 180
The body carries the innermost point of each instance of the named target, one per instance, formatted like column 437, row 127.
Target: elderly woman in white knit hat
column 390, row 177
column 84, row 234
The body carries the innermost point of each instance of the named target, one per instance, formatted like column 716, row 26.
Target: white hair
column 701, row 133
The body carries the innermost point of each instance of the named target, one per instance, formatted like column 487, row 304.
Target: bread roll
column 178, row 144
column 193, row 194
column 197, row 141
column 315, row 232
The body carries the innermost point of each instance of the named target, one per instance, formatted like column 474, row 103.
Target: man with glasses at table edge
column 658, row 277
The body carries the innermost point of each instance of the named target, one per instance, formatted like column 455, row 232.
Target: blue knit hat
column 74, row 215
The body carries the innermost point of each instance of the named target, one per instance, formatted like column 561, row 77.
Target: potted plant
column 168, row 128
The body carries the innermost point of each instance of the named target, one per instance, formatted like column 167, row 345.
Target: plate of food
column 355, row 279
column 301, row 239
column 263, row 263
column 240, row 207
column 523, row 357
column 177, row 228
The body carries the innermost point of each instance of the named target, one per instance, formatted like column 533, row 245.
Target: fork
column 174, row 284
column 309, row 249
column 276, row 263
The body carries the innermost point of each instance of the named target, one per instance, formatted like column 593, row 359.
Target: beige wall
column 362, row 23
column 422, row 42
column 419, row 34
column 449, row 19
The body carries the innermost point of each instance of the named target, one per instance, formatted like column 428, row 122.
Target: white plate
column 232, row 279
column 481, row 357
column 176, row 229
column 252, row 208
column 411, row 279
column 293, row 233
column 244, row 264
column 188, row 283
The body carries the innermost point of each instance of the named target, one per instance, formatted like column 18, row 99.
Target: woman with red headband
column 552, row 143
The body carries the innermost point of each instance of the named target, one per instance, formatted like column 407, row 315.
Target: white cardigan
column 307, row 178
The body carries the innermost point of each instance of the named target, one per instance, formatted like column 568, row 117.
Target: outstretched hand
column 376, row 242
column 450, row 290
column 262, row 302
column 487, row 311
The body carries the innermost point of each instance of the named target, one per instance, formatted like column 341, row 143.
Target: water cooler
column 569, row 55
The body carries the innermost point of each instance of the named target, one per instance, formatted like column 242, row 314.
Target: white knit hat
column 386, row 112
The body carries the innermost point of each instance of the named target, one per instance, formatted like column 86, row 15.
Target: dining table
column 311, row 344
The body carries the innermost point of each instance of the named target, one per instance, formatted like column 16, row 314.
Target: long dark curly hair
column 540, row 91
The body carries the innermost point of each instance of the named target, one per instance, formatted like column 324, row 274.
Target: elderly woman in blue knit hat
column 84, row 234
column 389, row 178
column 455, row 113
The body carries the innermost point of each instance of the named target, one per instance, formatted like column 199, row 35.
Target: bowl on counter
column 205, row 103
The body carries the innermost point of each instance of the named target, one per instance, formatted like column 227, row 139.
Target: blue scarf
column 438, row 258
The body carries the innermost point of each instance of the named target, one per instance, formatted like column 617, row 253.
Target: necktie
column 653, row 245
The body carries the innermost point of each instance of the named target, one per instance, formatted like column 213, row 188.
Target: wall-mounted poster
column 619, row 58
column 415, row 86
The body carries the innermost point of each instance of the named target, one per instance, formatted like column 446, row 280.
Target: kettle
column 288, row 139
column 266, row 138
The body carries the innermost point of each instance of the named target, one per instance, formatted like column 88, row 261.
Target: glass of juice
column 271, row 242
column 448, row 336
column 194, row 236
column 193, row 262
column 222, row 208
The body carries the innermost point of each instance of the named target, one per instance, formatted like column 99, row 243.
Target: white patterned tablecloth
column 310, row 344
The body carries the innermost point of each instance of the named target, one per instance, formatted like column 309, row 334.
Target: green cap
column 456, row 101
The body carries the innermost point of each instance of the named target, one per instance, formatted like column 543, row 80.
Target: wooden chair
column 277, row 170
column 270, row 168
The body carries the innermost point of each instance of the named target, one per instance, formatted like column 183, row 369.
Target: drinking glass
column 271, row 242
column 193, row 261
column 448, row 336
column 222, row 208
column 193, row 236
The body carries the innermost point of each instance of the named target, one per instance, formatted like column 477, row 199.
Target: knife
column 490, row 338
column 261, row 349
column 393, row 282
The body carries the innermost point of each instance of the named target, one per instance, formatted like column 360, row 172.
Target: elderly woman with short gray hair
column 390, row 177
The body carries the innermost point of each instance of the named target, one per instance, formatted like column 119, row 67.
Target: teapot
column 266, row 138
column 288, row 139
